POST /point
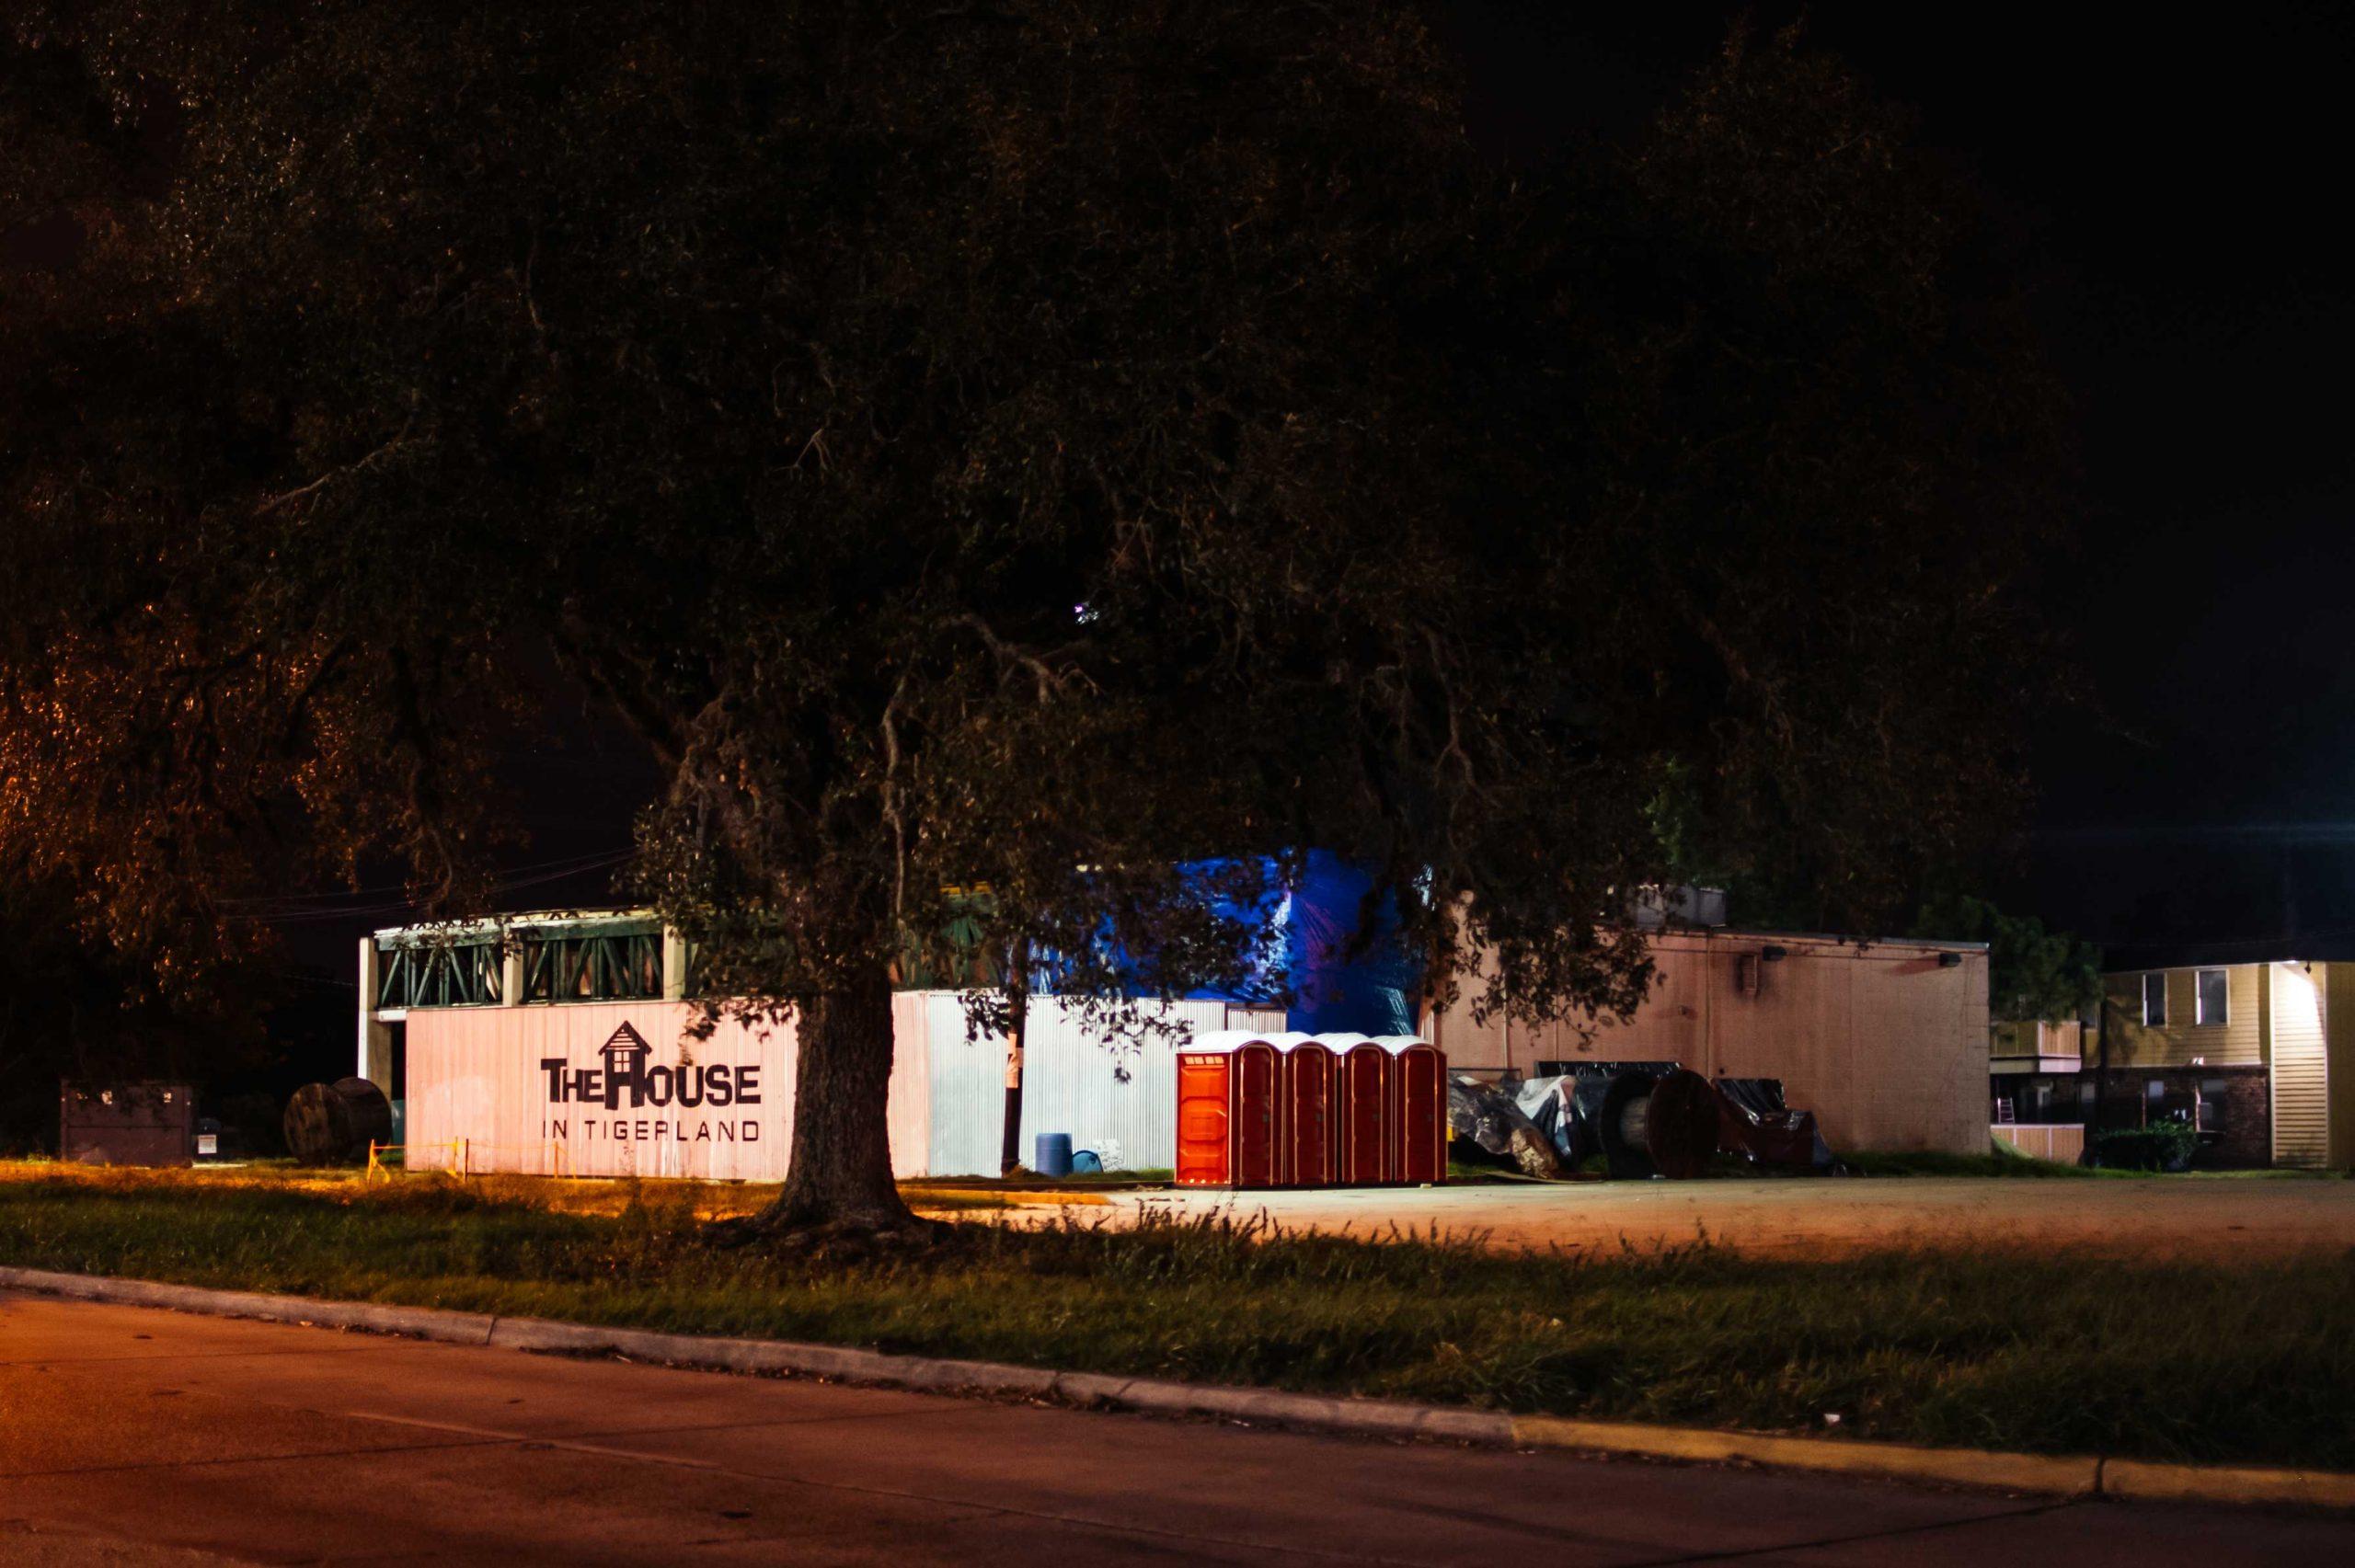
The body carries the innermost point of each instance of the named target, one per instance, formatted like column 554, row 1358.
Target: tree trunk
column 841, row 1172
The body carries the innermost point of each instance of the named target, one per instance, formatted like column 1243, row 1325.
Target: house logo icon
column 625, row 1053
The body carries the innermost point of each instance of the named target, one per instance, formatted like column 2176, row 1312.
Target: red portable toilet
column 1227, row 1102
column 1361, row 1116
column 1418, row 1111
column 1306, row 1122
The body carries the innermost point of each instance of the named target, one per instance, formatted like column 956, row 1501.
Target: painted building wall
column 2338, row 981
column 2290, row 1025
column 2018, row 1040
column 2181, row 1041
column 2300, row 1079
column 1884, row 1042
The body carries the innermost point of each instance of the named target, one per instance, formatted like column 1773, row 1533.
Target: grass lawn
column 2250, row 1361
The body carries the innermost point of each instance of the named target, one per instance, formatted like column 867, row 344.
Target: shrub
column 2161, row 1146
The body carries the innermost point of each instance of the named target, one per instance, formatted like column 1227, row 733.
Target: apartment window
column 2209, row 1004
column 2211, row 1104
column 2155, row 1000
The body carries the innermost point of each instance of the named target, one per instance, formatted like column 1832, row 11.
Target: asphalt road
column 135, row 1435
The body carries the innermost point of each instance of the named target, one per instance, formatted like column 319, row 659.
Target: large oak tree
column 1035, row 446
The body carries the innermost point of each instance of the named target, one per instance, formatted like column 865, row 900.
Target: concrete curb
column 455, row 1328
column 2067, row 1475
column 2142, row 1481
column 2061, row 1475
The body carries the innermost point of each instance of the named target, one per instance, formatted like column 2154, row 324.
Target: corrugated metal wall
column 911, row 1108
column 966, row 1080
column 1118, row 1099
column 476, row 1074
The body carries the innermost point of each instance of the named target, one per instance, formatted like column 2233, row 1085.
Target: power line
column 567, row 863
column 314, row 914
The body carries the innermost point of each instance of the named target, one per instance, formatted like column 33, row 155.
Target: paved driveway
column 2194, row 1216
column 139, row 1435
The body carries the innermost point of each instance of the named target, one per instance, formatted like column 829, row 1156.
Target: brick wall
column 2243, row 1108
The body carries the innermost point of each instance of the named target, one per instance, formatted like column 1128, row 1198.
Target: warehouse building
column 560, row 1043
column 1885, row 1041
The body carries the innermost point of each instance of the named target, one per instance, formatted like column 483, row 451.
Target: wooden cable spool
column 1665, row 1125
column 1620, row 1122
column 330, row 1124
column 1681, row 1125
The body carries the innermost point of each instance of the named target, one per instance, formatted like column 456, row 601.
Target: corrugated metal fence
column 601, row 1088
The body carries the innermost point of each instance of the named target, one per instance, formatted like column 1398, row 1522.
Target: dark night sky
column 2178, row 189
column 2174, row 189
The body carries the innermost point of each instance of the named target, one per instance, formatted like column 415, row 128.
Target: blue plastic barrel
column 1086, row 1162
column 1050, row 1154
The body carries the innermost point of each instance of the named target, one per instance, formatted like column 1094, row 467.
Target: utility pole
column 1017, row 1022
column 2101, row 1071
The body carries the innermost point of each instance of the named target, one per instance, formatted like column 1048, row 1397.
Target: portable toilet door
column 1307, row 1121
column 1226, row 1111
column 1418, row 1111
column 1361, row 1116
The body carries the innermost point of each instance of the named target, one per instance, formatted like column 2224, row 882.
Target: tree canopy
column 2033, row 975
column 1019, row 445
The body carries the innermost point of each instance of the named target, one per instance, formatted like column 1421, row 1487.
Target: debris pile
column 1488, row 1118
column 1640, row 1118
